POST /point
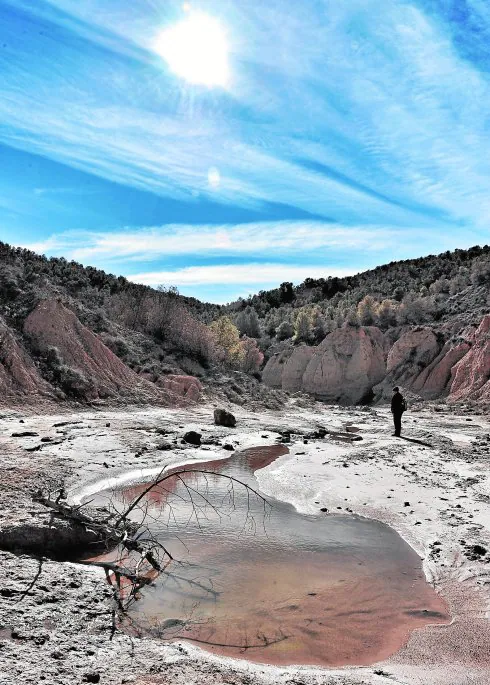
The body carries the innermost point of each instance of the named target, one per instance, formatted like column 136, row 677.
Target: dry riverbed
column 434, row 489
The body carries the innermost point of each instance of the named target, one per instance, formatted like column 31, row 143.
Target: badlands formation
column 77, row 416
column 357, row 365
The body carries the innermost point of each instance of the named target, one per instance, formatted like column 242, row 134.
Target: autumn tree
column 251, row 357
column 227, row 336
column 366, row 311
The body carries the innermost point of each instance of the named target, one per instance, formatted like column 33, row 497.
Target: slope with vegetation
column 417, row 323
column 74, row 332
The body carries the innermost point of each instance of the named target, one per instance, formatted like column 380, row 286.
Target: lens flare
column 196, row 49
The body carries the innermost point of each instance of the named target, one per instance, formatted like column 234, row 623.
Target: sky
column 226, row 146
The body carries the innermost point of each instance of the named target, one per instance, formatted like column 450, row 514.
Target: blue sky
column 347, row 135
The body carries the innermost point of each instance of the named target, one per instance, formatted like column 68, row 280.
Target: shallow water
column 263, row 582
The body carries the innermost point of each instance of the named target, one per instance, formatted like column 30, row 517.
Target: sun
column 196, row 49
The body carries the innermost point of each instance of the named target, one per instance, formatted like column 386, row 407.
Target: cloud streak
column 383, row 96
column 252, row 274
column 260, row 239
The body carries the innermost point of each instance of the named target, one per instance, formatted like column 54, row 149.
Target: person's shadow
column 418, row 442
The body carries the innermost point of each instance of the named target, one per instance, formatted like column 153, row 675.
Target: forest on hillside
column 452, row 286
column 160, row 331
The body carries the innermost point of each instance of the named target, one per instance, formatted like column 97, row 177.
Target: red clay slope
column 51, row 324
column 18, row 375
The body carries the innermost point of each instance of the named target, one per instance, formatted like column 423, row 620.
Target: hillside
column 74, row 332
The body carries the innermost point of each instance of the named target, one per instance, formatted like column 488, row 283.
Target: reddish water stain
column 272, row 585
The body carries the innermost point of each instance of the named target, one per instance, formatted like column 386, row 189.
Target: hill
column 69, row 332
column 419, row 323
column 74, row 332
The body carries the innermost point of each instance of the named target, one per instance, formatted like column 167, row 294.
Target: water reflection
column 266, row 583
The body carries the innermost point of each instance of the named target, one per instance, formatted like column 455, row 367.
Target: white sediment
column 445, row 482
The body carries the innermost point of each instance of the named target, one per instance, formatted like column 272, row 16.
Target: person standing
column 398, row 406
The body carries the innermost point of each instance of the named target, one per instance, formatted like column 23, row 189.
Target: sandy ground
column 433, row 489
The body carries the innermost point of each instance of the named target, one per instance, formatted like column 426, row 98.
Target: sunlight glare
column 214, row 178
column 196, row 49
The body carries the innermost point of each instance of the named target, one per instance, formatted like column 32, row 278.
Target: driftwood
column 140, row 557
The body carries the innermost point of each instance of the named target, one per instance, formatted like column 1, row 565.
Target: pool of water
column 263, row 582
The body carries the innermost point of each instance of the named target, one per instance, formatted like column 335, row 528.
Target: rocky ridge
column 355, row 365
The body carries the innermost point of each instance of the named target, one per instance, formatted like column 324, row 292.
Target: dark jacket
column 398, row 404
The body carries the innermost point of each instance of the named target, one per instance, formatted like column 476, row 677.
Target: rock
column 25, row 434
column 229, row 447
column 342, row 369
column 295, row 367
column 224, row 418
column 407, row 359
column 471, row 375
column 164, row 445
column 192, row 438
column 91, row 677
column 272, row 375
column 434, row 380
column 188, row 387
column 346, row 365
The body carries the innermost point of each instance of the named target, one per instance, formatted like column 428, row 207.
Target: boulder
column 346, row 365
column 224, row 418
column 192, row 438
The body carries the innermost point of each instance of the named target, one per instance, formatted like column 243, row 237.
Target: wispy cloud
column 253, row 274
column 375, row 90
column 260, row 239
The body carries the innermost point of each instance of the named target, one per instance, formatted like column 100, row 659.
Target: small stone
column 406, row 504
column 91, row 677
column 25, row 434
column 229, row 447
column 324, row 509
column 164, row 445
